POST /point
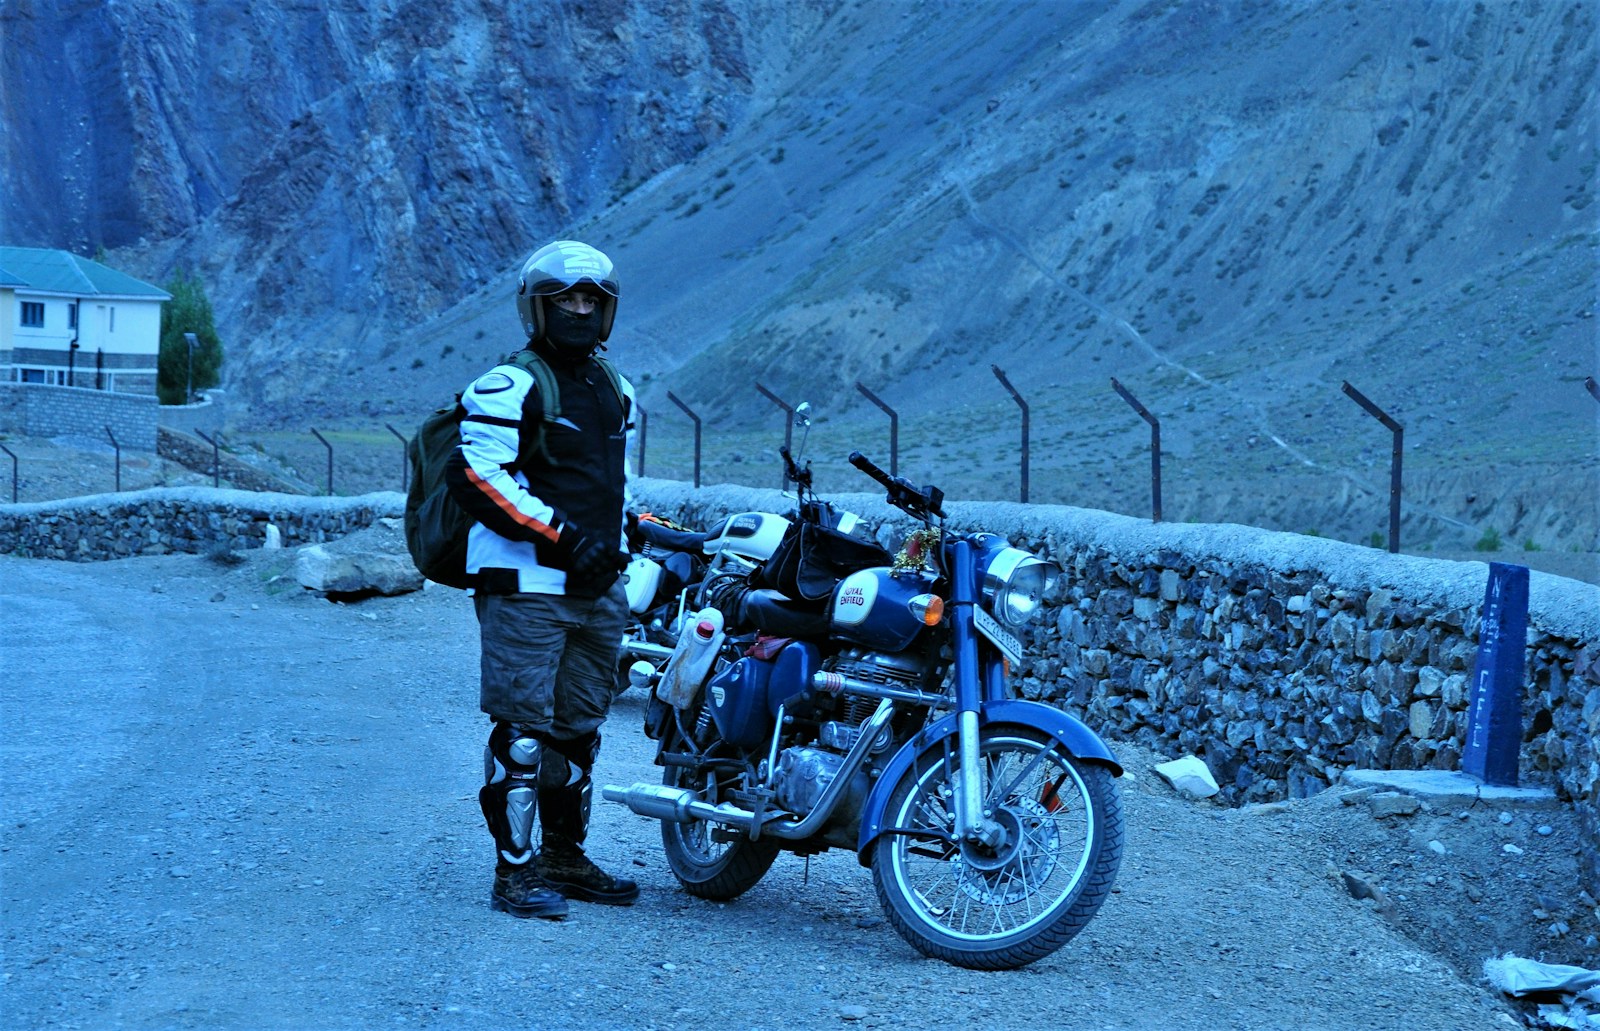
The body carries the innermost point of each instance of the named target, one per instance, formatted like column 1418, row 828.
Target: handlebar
column 801, row 478
column 902, row 495
column 866, row 465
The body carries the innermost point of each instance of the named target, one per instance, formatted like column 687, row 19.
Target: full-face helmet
column 558, row 267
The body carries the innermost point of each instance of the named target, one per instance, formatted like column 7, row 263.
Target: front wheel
column 1002, row 906
column 708, row 860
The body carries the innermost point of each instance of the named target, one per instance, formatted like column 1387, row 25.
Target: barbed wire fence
column 789, row 410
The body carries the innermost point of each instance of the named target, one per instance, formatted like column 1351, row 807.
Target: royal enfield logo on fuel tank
column 854, row 599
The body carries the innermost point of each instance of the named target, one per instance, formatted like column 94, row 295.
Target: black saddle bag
column 811, row 560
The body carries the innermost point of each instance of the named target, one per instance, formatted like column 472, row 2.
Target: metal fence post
column 1394, row 460
column 894, row 430
column 13, row 455
column 405, row 458
column 1001, row 376
column 1155, row 448
column 216, row 457
column 690, row 413
column 788, row 427
column 330, row 459
column 188, row 379
column 118, row 449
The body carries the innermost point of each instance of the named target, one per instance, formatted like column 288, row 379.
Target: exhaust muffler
column 659, row 802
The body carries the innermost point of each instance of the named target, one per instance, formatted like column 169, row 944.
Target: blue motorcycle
column 841, row 697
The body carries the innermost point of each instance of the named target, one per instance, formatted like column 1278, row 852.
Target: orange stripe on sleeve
column 550, row 533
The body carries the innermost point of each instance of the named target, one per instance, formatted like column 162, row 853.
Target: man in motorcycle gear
column 548, row 497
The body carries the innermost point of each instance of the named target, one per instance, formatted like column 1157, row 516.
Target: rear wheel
column 1006, row 905
column 709, row 860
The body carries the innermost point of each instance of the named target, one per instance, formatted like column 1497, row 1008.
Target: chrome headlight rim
column 1016, row 585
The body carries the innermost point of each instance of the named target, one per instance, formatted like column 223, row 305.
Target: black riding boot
column 520, row 892
column 511, row 764
column 561, row 863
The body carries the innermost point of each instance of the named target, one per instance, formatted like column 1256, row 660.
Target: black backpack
column 437, row 527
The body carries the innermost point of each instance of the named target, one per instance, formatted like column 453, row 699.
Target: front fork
column 978, row 675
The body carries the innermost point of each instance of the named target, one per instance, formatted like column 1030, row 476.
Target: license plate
column 1002, row 638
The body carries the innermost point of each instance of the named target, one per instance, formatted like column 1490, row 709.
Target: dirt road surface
column 229, row 803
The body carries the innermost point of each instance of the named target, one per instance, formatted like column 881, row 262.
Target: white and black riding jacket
column 532, row 506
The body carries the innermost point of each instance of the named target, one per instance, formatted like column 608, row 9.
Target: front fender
column 1079, row 741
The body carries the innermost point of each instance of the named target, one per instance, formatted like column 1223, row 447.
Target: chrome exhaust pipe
column 679, row 805
column 646, row 650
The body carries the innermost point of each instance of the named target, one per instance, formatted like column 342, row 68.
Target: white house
column 69, row 321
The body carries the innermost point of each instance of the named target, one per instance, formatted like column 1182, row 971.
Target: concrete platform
column 1447, row 789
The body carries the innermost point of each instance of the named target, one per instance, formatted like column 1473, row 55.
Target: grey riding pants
column 549, row 661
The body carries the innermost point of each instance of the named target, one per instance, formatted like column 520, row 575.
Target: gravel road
column 230, row 803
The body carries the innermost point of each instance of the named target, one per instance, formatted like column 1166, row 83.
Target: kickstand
column 806, row 877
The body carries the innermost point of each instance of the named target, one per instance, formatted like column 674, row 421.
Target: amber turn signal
column 929, row 608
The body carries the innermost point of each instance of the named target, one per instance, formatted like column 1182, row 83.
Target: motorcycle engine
column 805, row 772
column 876, row 668
column 803, row 775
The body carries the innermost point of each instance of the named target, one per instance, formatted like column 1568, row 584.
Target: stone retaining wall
column 208, row 414
column 191, row 453
column 193, row 520
column 12, row 411
column 37, row 410
column 1280, row 660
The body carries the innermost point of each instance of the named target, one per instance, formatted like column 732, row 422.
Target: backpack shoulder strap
column 615, row 379
column 549, row 402
column 543, row 378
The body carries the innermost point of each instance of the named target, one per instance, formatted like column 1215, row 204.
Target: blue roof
column 60, row 272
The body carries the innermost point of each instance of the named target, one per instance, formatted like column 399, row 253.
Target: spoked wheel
column 1006, row 904
column 706, row 858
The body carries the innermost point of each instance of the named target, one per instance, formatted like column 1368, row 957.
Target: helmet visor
column 560, row 266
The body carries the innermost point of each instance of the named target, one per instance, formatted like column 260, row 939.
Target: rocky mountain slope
column 1233, row 209
column 340, row 170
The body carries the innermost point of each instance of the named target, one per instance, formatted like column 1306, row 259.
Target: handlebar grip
column 864, row 463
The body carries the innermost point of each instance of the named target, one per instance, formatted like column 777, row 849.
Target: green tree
column 189, row 311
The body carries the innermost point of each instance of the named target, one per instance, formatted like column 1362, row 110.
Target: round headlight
column 1016, row 585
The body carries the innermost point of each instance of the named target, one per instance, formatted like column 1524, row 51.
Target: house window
column 33, row 313
column 72, row 316
column 33, row 375
column 111, row 320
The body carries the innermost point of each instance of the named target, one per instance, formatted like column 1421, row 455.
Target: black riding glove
column 594, row 567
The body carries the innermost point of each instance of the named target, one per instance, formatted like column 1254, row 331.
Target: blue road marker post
column 1494, row 729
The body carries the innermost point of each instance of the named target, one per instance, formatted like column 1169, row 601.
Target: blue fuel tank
column 873, row 608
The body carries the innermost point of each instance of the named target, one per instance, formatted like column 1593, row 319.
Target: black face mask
column 571, row 335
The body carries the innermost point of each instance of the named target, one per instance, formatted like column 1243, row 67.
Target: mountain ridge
column 1232, row 208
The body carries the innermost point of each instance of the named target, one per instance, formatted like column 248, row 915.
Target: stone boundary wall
column 193, row 520
column 37, row 410
column 12, row 411
column 208, row 415
column 192, row 453
column 1280, row 660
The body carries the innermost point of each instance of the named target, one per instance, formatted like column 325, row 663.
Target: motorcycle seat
column 780, row 616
